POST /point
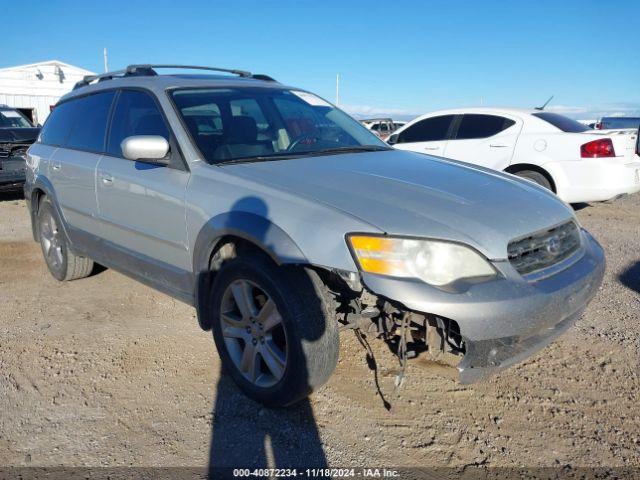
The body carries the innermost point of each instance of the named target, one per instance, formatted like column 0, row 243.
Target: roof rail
column 149, row 70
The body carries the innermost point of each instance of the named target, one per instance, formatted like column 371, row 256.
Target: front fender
column 251, row 227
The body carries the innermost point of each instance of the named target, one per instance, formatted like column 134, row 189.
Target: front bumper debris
column 504, row 321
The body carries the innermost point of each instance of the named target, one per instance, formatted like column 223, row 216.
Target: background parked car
column 16, row 134
column 577, row 163
column 609, row 123
column 382, row 127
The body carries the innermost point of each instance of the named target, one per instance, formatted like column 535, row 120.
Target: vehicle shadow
column 579, row 206
column 630, row 278
column 246, row 434
column 9, row 195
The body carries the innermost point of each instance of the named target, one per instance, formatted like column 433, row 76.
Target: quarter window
column 136, row 113
column 482, row 126
column 427, row 130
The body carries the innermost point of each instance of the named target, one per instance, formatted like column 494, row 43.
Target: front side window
column 482, row 126
column 135, row 113
column 13, row 119
column 255, row 124
column 427, row 130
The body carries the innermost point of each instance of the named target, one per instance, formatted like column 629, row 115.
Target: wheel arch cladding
column 42, row 187
column 249, row 227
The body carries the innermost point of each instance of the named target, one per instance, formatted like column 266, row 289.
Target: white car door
column 486, row 140
column 426, row 136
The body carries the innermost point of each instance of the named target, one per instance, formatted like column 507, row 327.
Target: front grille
column 544, row 249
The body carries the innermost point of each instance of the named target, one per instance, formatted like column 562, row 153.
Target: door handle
column 106, row 180
column 498, row 145
column 432, row 148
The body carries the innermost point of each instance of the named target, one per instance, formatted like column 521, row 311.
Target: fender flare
column 43, row 183
column 251, row 227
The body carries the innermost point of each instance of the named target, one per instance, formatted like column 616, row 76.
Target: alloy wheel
column 254, row 333
column 51, row 239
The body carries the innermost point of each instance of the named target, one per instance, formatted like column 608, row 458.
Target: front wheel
column 273, row 329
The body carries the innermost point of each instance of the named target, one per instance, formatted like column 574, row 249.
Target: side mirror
column 150, row 148
column 393, row 139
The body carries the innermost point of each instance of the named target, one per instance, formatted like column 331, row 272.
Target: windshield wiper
column 262, row 158
column 314, row 153
column 349, row 149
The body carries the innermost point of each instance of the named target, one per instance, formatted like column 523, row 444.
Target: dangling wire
column 402, row 351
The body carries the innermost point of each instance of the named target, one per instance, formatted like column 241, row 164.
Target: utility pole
column 106, row 61
column 337, row 89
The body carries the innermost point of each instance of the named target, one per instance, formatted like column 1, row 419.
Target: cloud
column 616, row 109
column 368, row 111
column 578, row 112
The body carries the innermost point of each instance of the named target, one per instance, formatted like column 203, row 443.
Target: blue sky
column 401, row 58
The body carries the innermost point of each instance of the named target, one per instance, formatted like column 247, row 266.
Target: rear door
column 142, row 205
column 429, row 135
column 78, row 128
column 486, row 140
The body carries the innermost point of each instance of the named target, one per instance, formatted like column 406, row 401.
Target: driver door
column 429, row 135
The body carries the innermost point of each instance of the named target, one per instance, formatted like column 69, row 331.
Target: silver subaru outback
column 283, row 221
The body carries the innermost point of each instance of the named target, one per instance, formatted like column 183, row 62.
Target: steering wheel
column 305, row 136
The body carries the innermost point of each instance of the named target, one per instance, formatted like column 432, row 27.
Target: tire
column 63, row 264
column 535, row 177
column 285, row 361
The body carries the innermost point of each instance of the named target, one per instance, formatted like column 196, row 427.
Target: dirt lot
column 106, row 372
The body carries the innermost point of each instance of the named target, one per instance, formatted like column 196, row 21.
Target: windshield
column 13, row 119
column 257, row 124
column 561, row 122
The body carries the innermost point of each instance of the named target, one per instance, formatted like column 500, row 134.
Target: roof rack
column 149, row 70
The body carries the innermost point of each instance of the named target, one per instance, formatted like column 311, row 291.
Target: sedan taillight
column 598, row 149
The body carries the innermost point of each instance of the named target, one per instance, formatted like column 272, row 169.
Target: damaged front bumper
column 12, row 169
column 505, row 320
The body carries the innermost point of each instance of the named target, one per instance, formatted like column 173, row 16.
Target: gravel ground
column 107, row 372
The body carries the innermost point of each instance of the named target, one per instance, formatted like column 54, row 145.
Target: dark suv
column 16, row 134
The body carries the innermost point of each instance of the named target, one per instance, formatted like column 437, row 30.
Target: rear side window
column 427, row 130
column 88, row 117
column 482, row 126
column 57, row 127
column 135, row 113
column 561, row 122
column 79, row 123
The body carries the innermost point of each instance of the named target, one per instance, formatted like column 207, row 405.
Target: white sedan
column 577, row 163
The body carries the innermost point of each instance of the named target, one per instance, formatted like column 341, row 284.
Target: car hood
column 411, row 194
column 19, row 135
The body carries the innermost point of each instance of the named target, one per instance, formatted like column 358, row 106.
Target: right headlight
column 433, row 261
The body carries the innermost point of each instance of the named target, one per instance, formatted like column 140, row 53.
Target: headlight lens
column 433, row 261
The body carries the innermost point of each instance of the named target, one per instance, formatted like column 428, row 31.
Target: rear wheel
column 63, row 264
column 536, row 177
column 273, row 329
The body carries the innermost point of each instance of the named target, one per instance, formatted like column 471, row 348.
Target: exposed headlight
column 432, row 261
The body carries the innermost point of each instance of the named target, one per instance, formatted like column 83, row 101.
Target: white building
column 35, row 88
